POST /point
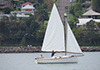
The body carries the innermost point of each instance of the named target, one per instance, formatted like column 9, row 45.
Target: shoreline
column 38, row 49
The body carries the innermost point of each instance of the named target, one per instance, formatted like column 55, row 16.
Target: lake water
column 25, row 61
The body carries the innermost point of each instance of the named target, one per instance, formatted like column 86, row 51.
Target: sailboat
column 56, row 39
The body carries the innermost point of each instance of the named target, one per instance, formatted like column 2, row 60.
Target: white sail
column 54, row 36
column 72, row 45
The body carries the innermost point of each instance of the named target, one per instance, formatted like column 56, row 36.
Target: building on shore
column 91, row 14
column 26, row 8
column 88, row 16
column 4, row 15
column 83, row 21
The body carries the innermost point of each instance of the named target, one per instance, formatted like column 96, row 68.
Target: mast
column 65, row 27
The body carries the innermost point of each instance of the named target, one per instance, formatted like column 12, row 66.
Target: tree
column 44, row 6
column 6, row 10
column 87, row 35
column 42, row 15
column 73, row 22
column 78, row 9
column 23, row 42
column 40, row 1
column 3, row 29
column 32, row 26
column 80, row 34
column 26, row 31
column 96, row 5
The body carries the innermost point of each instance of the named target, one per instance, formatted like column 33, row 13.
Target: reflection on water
column 26, row 61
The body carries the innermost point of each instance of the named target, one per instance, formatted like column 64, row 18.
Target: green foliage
column 42, row 12
column 56, row 1
column 75, row 10
column 96, row 5
column 78, row 10
column 91, row 25
column 71, row 10
column 40, row 1
column 73, row 22
column 44, row 6
column 81, row 1
column 31, row 30
column 70, row 17
column 6, row 10
column 25, row 31
column 87, row 35
column 21, row 2
column 3, row 29
column 23, row 42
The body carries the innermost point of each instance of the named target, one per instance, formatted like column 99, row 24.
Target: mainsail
column 54, row 36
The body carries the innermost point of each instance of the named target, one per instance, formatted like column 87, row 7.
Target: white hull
column 57, row 60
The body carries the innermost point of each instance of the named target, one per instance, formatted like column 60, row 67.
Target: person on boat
column 42, row 56
column 53, row 52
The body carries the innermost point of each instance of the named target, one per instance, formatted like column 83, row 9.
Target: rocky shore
column 90, row 49
column 38, row 49
column 19, row 49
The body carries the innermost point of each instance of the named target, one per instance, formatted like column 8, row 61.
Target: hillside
column 30, row 31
